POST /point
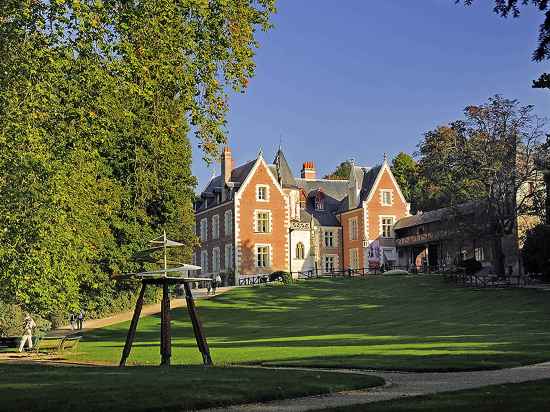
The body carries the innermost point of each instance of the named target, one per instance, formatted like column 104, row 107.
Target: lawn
column 513, row 397
column 398, row 322
column 73, row 388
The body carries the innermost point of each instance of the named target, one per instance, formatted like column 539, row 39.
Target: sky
column 366, row 78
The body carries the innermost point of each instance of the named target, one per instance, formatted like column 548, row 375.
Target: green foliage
column 341, row 172
column 536, row 250
column 96, row 101
column 405, row 170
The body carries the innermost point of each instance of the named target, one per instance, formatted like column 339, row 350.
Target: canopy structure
column 165, row 276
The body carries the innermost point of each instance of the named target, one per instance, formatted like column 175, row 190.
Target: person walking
column 216, row 280
column 80, row 319
column 72, row 320
column 208, row 287
column 27, row 333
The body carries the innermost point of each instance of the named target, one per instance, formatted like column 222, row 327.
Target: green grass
column 401, row 322
column 513, row 397
column 82, row 389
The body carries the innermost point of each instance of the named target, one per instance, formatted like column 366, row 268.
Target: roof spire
column 261, row 152
column 385, row 157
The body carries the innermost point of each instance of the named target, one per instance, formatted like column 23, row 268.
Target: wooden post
column 133, row 326
column 165, row 338
column 197, row 326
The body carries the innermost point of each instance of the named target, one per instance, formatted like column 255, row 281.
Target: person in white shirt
column 27, row 334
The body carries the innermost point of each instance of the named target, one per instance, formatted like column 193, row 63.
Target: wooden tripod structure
column 164, row 278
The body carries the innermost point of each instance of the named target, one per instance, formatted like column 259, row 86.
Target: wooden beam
column 165, row 332
column 133, row 326
column 197, row 326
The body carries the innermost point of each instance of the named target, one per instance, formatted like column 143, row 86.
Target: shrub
column 12, row 320
column 281, row 276
column 536, row 250
column 471, row 266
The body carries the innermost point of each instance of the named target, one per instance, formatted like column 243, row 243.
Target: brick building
column 259, row 218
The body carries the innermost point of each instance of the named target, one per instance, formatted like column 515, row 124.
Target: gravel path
column 398, row 385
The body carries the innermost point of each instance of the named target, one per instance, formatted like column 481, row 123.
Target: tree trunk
column 498, row 256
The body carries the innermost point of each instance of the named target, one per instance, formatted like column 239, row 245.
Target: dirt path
column 398, row 385
column 147, row 310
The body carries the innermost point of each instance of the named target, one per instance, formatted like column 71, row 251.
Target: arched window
column 300, row 250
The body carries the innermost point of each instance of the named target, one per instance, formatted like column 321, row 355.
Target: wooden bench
column 50, row 344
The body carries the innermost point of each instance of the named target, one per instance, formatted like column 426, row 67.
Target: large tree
column 488, row 157
column 97, row 98
column 405, row 170
column 506, row 8
column 341, row 172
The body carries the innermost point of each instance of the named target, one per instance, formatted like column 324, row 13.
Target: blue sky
column 368, row 77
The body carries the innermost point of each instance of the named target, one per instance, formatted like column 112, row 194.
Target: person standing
column 27, row 333
column 80, row 319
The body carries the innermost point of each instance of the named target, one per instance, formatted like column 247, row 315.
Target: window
column 300, row 251
column 386, row 226
column 215, row 227
column 329, row 239
column 228, row 222
column 216, row 259
column 386, row 197
column 228, row 256
column 353, row 258
column 263, row 222
column 479, row 255
column 204, row 261
column 262, row 193
column 262, row 256
column 353, row 229
column 329, row 264
column 204, row 230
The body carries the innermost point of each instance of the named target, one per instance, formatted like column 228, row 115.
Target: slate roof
column 367, row 180
column 334, row 191
column 435, row 215
column 282, row 171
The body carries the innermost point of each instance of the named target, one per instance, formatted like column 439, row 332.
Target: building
column 259, row 218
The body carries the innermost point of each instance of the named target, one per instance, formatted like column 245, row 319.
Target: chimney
column 227, row 164
column 308, row 171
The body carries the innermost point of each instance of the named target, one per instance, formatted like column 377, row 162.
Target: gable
column 385, row 180
column 260, row 169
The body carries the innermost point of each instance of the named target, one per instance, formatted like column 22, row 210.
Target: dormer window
column 319, row 200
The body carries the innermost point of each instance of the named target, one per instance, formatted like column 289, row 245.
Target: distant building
column 260, row 218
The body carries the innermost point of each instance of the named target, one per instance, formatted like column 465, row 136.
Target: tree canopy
column 341, row 172
column 405, row 170
column 97, row 98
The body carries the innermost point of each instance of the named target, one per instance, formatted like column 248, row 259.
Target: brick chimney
column 227, row 164
column 308, row 171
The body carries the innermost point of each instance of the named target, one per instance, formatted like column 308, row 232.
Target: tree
column 488, row 157
column 506, row 8
column 405, row 170
column 341, row 172
column 96, row 101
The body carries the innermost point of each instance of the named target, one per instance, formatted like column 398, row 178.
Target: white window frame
column 257, row 260
column 228, row 222
column 228, row 256
column 302, row 254
column 204, row 229
column 266, row 193
column 354, row 258
column 354, row 224
column 329, row 235
column 381, row 231
column 204, row 261
column 215, row 227
column 256, row 221
column 388, row 192
column 479, row 254
column 332, row 263
column 216, row 260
